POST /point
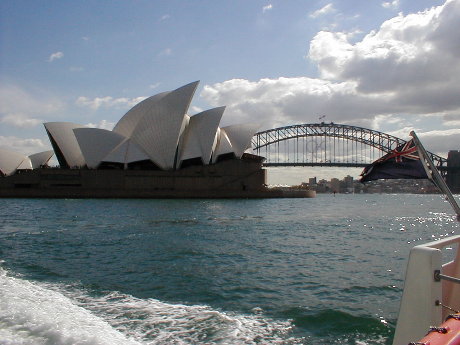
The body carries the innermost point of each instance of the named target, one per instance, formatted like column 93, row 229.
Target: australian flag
column 401, row 163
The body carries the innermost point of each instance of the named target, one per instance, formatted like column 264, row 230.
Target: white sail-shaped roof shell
column 63, row 135
column 10, row 161
column 159, row 130
column 223, row 145
column 126, row 152
column 129, row 121
column 200, row 135
column 96, row 144
column 240, row 136
column 41, row 158
column 26, row 164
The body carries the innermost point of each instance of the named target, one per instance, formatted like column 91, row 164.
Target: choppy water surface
column 327, row 270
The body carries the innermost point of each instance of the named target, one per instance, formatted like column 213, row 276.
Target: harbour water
column 327, row 270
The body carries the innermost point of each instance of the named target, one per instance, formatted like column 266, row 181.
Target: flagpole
column 433, row 174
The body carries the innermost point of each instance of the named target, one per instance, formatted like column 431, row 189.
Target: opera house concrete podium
column 156, row 150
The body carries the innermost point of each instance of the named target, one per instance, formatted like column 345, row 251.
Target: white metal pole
column 434, row 174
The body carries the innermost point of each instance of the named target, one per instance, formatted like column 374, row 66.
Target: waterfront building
column 156, row 134
column 11, row 161
column 155, row 150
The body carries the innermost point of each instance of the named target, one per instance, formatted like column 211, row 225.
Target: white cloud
column 165, row 17
column 103, row 124
column 195, row 110
column 20, row 120
column 416, row 49
column 452, row 120
column 56, row 56
column 440, row 142
column 108, row 102
column 437, row 133
column 391, row 4
column 23, row 108
column 286, row 101
column 409, row 66
column 384, row 120
column 24, row 146
column 329, row 8
column 267, row 8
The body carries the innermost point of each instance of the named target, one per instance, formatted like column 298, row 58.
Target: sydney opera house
column 155, row 150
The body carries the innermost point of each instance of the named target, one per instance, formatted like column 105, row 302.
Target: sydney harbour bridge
column 330, row 144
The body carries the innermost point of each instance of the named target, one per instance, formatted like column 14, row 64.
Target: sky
column 391, row 66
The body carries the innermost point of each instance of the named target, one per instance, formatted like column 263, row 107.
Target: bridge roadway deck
column 331, row 164
column 301, row 164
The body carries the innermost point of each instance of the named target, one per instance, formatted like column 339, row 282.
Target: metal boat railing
column 431, row 290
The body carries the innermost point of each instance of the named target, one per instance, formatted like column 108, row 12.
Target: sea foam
column 43, row 313
column 32, row 314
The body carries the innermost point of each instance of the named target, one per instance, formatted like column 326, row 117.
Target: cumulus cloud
column 277, row 101
column 452, row 120
column 24, row 146
column 103, row 124
column 22, row 108
column 393, row 77
column 407, row 51
column 329, row 8
column 108, row 102
column 283, row 101
column 195, row 110
column 440, row 142
column 56, row 56
column 20, row 120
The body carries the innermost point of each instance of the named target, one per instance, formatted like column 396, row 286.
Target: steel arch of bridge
column 267, row 144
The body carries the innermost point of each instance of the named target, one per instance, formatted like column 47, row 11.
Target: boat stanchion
column 438, row 276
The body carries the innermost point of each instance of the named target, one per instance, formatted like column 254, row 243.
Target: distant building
column 453, row 173
column 322, row 186
column 347, row 184
column 335, row 185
